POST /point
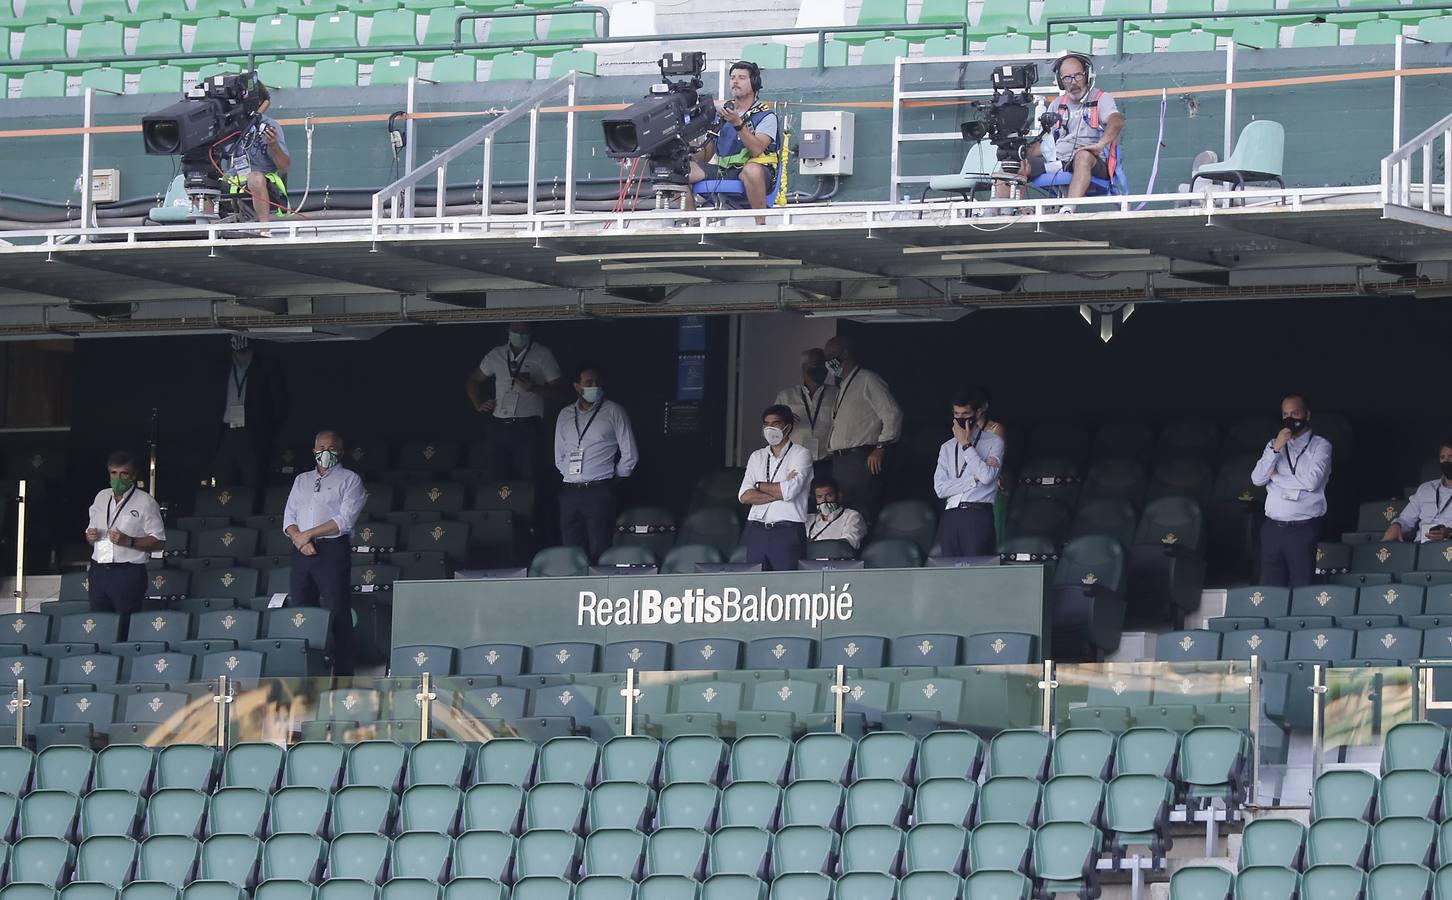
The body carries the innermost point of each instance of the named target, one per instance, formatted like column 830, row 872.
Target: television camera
column 662, row 126
column 1007, row 119
column 214, row 111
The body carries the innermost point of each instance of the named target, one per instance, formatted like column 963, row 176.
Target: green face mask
column 122, row 485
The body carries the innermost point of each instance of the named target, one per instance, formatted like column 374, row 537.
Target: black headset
column 1083, row 60
column 752, row 69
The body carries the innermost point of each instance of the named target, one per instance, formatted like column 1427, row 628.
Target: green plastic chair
column 1266, row 883
column 999, row 17
column 1166, row 27
column 1191, row 42
column 768, row 55
column 358, row 856
column 455, row 69
column 362, row 809
column 1332, row 882
column 90, row 11
column 572, row 27
column 997, row 886
column 551, row 562
column 1256, row 33
column 1316, row 34
column 393, row 70
column 1009, row 798
column 1398, row 880
column 221, row 35
column 1073, row 41
column 584, row 62
column 46, row 41
column 334, row 30
column 40, row 859
column 483, row 854
column 1338, row 842
column 999, row 845
column 1064, row 855
column 167, row 858
column 97, row 39
column 339, row 72
column 1008, row 45
column 511, row 30
column 44, row 83
column 505, row 761
column 1376, row 31
column 153, row 10
column 237, row 810
column 619, row 804
column 161, row 37
column 109, row 812
column 1416, row 746
column 439, row 29
column 1200, row 883
column 206, row 9
column 393, row 27
column 1105, row 26
column 163, row 79
column 1259, row 155
column 293, row 857
column 932, row 846
column 281, row 73
column 947, row 45
column 276, row 32
column 420, row 854
column 106, row 859
column 883, row 51
column 1272, row 842
column 1408, row 840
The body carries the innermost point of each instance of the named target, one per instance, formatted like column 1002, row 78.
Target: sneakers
column 1066, row 209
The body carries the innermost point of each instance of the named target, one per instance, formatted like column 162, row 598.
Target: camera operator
column 1085, row 138
column 746, row 147
column 259, row 161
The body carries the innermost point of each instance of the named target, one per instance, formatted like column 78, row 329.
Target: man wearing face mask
column 777, row 484
column 125, row 529
column 511, row 385
column 254, row 409
column 833, row 521
column 324, row 503
column 594, row 446
column 1294, row 470
column 811, row 403
column 966, row 478
column 865, row 420
column 1428, row 515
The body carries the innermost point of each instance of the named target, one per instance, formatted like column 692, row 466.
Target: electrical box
column 105, row 185
column 826, row 143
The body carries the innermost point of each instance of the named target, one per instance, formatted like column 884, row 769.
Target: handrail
column 1318, row 12
column 1396, row 169
column 398, row 49
column 461, row 18
column 438, row 166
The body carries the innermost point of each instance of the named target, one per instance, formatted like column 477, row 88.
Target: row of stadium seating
column 1385, row 881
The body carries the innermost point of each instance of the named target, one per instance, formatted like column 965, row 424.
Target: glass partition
column 1176, row 695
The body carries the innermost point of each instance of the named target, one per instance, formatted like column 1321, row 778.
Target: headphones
column 1084, row 60
column 396, row 137
column 753, row 70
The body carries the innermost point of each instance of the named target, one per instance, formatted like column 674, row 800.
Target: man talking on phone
column 260, row 161
column 1293, row 469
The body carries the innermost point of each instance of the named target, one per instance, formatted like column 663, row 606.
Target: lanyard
column 239, row 384
column 515, row 366
column 580, row 432
column 842, row 392
column 958, row 448
column 110, row 519
column 807, row 405
column 835, row 517
column 770, row 475
column 1292, row 462
column 1442, row 507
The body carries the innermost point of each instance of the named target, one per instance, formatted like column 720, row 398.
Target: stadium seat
column 1403, row 840
column 361, row 857
column 1416, row 746
column 1201, row 883
column 999, row 846
column 1273, row 842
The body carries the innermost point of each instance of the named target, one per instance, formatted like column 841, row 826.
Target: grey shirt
column 1075, row 129
column 255, row 147
column 1294, row 477
column 865, row 412
column 1429, row 507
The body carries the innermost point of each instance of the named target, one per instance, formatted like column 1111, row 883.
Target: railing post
column 1253, row 682
column 1447, row 172
column 426, row 698
column 488, row 175
column 839, row 698
column 18, row 704
column 1230, row 49
column 20, row 549
column 87, row 214
column 570, row 96
column 409, row 154
column 1397, row 46
column 223, row 698
column 1318, row 700
column 529, row 188
column 630, row 694
column 441, row 184
column 1424, row 689
column 1047, row 686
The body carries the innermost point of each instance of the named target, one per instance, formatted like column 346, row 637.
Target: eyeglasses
column 1073, row 76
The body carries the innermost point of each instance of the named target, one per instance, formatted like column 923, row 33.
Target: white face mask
column 518, row 341
column 326, row 459
column 592, row 394
column 773, row 435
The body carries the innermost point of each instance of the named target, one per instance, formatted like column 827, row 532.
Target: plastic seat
column 1272, row 842
column 106, row 859
column 1019, row 752
column 635, row 758
column 1072, row 798
column 40, row 859
column 605, row 887
column 1418, row 746
column 751, row 803
column 876, row 801
column 493, row 807
column 935, row 847
column 1009, row 798
column 1398, row 880
column 237, row 810
column 299, row 809
column 1332, row 882
column 946, row 801
column 1403, row 839
column 108, row 811
column 887, row 754
column 1212, row 760
column 1259, row 152
column 483, row 854
column 693, row 758
column 293, row 857
column 1344, row 793
column 47, row 814
column 614, row 851
column 1408, row 792
column 555, row 806
column 687, row 805
column 1266, row 883
column 1137, row 811
column 999, row 846
column 1083, row 751
column 411, row 889
column 376, row 763
column 361, row 809
column 63, row 768
column 802, row 848
column 1201, row 883
column 1064, row 854
column 256, row 766
column 430, row 807
column 358, row 856
column 230, row 858
column 420, row 854
column 438, row 762
column 551, row 853
column 1339, row 842
column 338, row 72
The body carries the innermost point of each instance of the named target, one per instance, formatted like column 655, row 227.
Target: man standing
column 520, row 375
column 967, row 477
column 811, row 403
column 865, row 420
column 776, row 486
column 833, row 521
column 1294, row 470
column 594, row 446
column 254, row 408
column 320, row 513
column 1427, row 516
column 125, row 529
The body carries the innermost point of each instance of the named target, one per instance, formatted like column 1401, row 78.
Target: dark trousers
column 967, row 531
column 323, row 580
column 1288, row 552
column 118, row 588
column 587, row 516
column 515, row 448
column 861, row 490
column 778, row 547
column 241, row 458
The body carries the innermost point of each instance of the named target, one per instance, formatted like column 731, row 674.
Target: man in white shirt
column 594, row 446
column 811, row 403
column 125, row 529
column 1293, row 469
column 253, row 410
column 1428, row 514
column 865, row 420
column 321, row 509
column 776, row 486
column 511, row 384
column 833, row 521
column 966, row 478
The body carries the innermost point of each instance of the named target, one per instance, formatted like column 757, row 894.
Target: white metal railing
column 1399, row 171
column 399, row 195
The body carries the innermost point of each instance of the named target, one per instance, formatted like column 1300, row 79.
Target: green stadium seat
column 299, row 809
column 1201, row 883
column 64, row 768
column 347, row 889
column 336, row 72
column 1009, row 798
column 750, row 803
column 483, row 854
column 715, row 526
column 285, row 890
column 1377, row 31
column 685, row 805
column 557, row 806
column 45, row 83
column 230, row 858
column 574, row 28
column 584, row 62
column 110, row 812
column 876, row 12
column 362, row 809
column 871, row 848
column 106, row 859
column 998, row 17
column 1405, row 840
column 293, row 857
column 999, row 846
column 439, row 762
column 883, row 51
column 254, row 765
column 1072, row 798
column 617, row 852
column 877, row 801
column 376, row 763
column 275, row 32
column 358, row 856
column 1316, row 34
column 1339, row 842
column 554, row 854
column 512, row 30
column 237, row 810
column 619, row 804
column 809, row 802
column 542, row 887
column 949, row 802
column 83, row 890
column 97, row 39
column 167, row 858
column 40, row 859
column 939, row 847
column 520, row 66
column 1398, row 880
column 794, row 886
column 1276, row 842
column 419, row 854
column 456, row 68
column 1137, row 811
column 393, row 70
column 411, row 889
column 1083, row 751
column 803, row 848
column 1064, row 856
column 48, row 814
column 1436, row 29
column 1187, row 646
column 997, row 886
column 1021, row 752
column 117, row 768
column 836, row 54
column 475, row 889
column 1334, row 882
column 1416, row 746
column 1344, row 793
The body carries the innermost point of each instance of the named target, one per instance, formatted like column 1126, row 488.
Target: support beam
column 1266, row 228
column 465, row 262
column 1171, row 249
column 144, row 269
column 41, row 288
column 286, row 263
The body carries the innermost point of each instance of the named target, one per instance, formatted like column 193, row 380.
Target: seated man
column 746, row 149
column 833, row 521
column 1427, row 517
column 1085, row 139
column 259, row 161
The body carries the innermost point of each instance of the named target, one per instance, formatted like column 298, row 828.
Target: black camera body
column 212, row 111
column 1007, row 118
column 663, row 124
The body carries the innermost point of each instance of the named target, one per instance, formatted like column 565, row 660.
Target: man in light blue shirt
column 322, row 507
column 966, row 478
column 1428, row 515
column 594, row 446
column 1294, row 470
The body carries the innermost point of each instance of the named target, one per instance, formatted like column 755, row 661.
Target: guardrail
column 1397, row 170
